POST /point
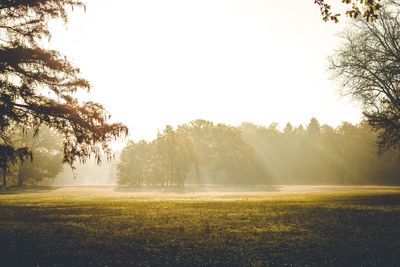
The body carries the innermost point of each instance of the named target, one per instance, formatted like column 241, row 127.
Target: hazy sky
column 157, row 62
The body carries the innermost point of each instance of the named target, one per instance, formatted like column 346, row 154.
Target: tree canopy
column 367, row 9
column 37, row 85
column 368, row 66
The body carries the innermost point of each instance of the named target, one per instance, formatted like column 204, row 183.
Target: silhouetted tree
column 368, row 64
column 10, row 155
column 37, row 85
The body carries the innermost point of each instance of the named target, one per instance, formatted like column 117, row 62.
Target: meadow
column 274, row 226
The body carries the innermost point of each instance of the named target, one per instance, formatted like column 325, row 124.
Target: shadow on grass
column 12, row 190
column 334, row 231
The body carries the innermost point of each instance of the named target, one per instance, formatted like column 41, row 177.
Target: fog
column 89, row 173
column 220, row 156
column 215, row 155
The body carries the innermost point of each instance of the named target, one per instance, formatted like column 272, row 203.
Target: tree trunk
column 21, row 176
column 4, row 175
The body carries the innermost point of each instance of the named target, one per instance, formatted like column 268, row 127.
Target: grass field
column 277, row 226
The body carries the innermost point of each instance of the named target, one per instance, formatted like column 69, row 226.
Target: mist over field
column 205, row 153
column 89, row 173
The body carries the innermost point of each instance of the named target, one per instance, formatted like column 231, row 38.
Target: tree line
column 202, row 152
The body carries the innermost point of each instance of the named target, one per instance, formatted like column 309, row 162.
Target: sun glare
column 153, row 63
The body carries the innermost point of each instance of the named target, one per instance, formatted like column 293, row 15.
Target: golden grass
column 314, row 226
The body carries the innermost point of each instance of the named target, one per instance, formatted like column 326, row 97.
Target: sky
column 158, row 62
